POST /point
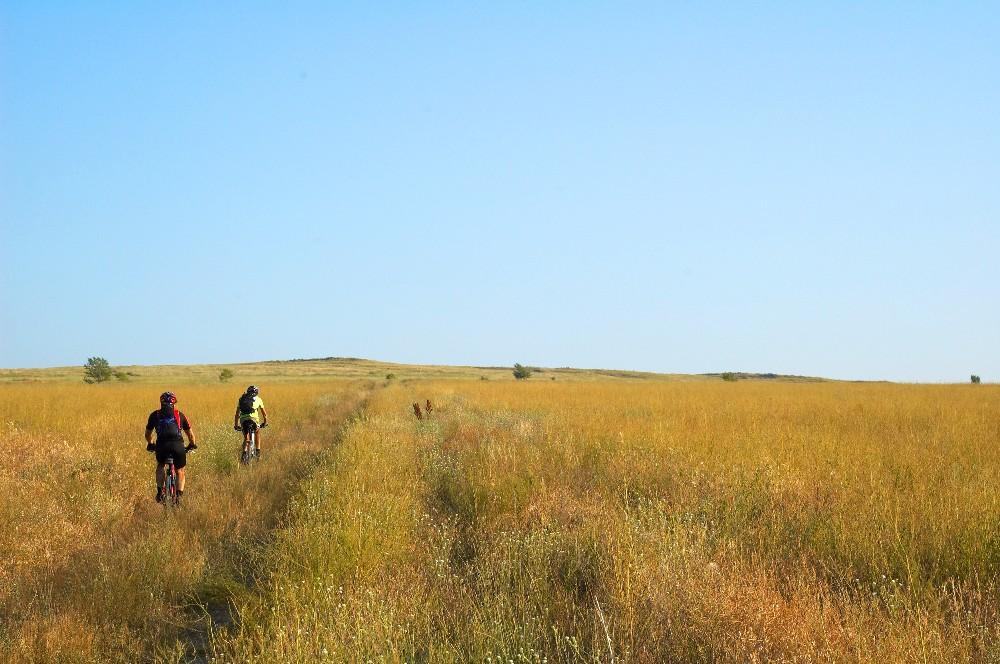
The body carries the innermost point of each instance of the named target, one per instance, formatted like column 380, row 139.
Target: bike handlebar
column 190, row 447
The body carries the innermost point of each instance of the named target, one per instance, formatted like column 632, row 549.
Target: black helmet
column 253, row 391
column 168, row 398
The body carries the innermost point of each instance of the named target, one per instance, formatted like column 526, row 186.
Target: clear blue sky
column 687, row 187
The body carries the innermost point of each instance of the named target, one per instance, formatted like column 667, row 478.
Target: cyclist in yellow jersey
column 250, row 415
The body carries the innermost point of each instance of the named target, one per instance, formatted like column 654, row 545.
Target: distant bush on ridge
column 97, row 370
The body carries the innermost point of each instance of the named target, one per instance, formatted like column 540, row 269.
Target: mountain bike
column 171, row 487
column 250, row 451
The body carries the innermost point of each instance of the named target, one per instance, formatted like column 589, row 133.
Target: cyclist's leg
column 161, row 476
column 180, row 461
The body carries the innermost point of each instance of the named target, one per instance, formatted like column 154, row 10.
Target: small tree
column 97, row 370
column 975, row 379
column 729, row 377
column 225, row 375
column 521, row 372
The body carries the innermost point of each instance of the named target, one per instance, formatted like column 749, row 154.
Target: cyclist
column 169, row 423
column 250, row 416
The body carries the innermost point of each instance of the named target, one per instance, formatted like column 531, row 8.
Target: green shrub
column 225, row 375
column 521, row 372
column 97, row 370
column 730, row 377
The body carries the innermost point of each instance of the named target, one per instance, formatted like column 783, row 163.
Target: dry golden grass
column 92, row 569
column 594, row 520
column 644, row 522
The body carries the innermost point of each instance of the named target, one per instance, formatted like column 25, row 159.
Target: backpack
column 168, row 424
column 246, row 405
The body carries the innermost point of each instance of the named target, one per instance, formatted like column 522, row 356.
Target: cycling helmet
column 168, row 398
column 253, row 391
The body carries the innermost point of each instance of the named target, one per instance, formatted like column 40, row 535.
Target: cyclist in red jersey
column 169, row 423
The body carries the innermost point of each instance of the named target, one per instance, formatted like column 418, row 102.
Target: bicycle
column 171, row 488
column 250, row 451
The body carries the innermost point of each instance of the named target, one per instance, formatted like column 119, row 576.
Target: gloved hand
column 150, row 447
column 263, row 425
column 191, row 447
column 237, row 428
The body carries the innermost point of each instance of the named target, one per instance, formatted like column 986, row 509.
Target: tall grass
column 644, row 522
column 92, row 568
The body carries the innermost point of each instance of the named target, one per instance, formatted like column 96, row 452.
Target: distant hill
column 742, row 375
column 357, row 368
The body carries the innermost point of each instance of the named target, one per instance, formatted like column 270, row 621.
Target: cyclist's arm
column 188, row 430
column 264, row 414
column 149, row 435
column 236, row 417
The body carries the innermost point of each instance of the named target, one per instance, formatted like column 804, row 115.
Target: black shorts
column 249, row 425
column 174, row 448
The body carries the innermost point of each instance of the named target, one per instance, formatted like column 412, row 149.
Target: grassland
column 644, row 522
column 590, row 518
column 92, row 569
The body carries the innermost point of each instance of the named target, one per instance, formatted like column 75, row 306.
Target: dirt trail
column 214, row 610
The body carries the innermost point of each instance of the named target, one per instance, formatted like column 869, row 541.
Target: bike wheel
column 170, row 484
column 249, row 449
